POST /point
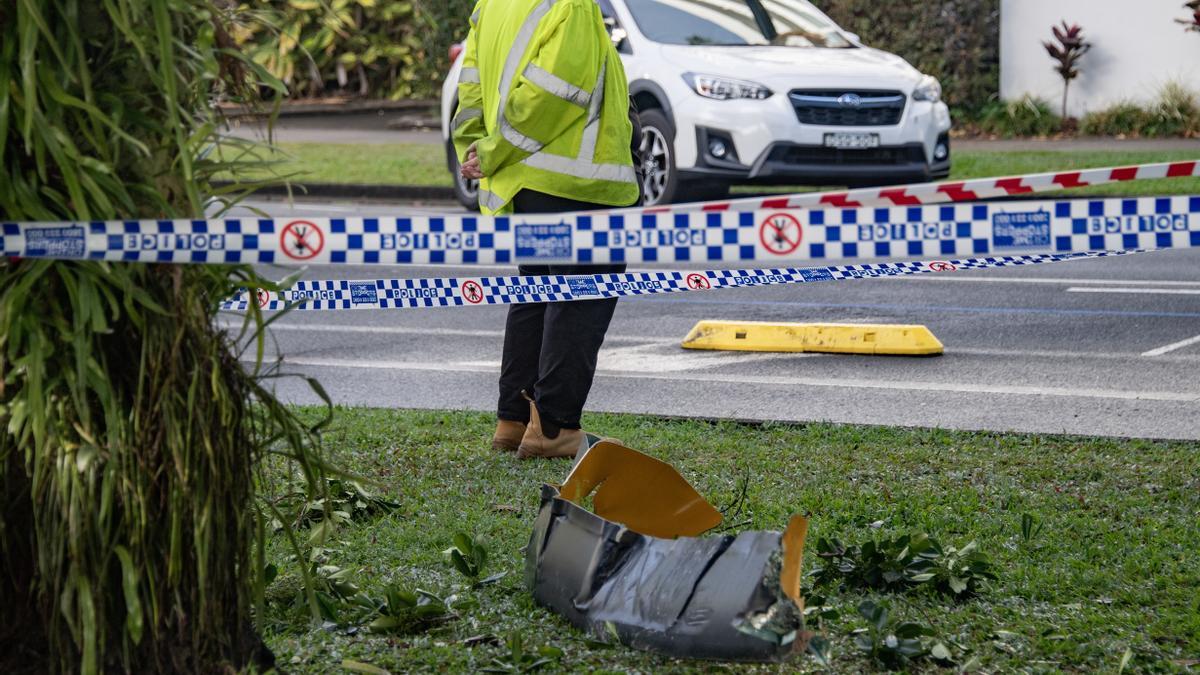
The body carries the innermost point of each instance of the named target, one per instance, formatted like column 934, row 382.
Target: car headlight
column 928, row 89
column 724, row 89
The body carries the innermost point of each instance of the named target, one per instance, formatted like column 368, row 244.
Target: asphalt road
column 1103, row 347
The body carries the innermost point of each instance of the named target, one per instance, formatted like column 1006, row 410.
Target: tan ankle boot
column 535, row 443
column 508, row 436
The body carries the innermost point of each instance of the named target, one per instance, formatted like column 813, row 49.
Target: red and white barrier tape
column 944, row 192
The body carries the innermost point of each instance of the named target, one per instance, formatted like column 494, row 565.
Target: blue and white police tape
column 513, row 290
column 761, row 236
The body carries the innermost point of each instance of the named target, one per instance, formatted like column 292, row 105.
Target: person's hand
column 470, row 168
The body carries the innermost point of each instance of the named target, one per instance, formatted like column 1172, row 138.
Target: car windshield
column 784, row 23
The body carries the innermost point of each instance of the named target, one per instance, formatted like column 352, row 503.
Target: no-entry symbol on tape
column 942, row 266
column 781, row 233
column 263, row 296
column 301, row 240
column 472, row 292
column 698, row 282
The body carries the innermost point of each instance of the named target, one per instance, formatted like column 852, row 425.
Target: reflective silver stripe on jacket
column 587, row 147
column 469, row 75
column 517, row 51
column 583, row 166
column 510, row 134
column 557, row 86
column 617, row 173
column 490, row 200
column 465, row 115
column 515, row 54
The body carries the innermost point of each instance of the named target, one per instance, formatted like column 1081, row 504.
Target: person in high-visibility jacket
column 543, row 123
column 543, row 104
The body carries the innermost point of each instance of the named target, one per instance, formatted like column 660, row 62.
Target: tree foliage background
column 133, row 440
column 399, row 48
column 375, row 48
column 957, row 41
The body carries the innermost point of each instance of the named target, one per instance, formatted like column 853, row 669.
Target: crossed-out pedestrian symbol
column 698, row 282
column 781, row 233
column 472, row 292
column 301, row 240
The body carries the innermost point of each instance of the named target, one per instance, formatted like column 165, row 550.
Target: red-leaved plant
column 1070, row 48
column 1193, row 23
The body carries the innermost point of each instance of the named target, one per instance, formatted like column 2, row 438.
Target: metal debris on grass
column 637, row 569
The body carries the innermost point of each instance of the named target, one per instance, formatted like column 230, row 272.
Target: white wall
column 1136, row 48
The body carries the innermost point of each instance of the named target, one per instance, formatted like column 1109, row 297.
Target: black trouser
column 550, row 349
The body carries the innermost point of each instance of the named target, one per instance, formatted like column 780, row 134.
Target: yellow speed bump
column 831, row 338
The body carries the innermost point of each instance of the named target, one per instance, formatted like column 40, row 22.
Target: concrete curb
column 356, row 191
column 330, row 108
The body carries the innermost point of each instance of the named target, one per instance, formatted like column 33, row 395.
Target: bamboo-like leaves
column 128, row 426
column 134, row 620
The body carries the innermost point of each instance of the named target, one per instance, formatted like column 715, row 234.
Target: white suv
column 762, row 92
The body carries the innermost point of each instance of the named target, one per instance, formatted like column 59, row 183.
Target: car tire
column 658, row 174
column 661, row 183
column 465, row 191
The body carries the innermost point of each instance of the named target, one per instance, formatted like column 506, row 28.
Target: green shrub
column 1122, row 119
column 1175, row 113
column 377, row 48
column 956, row 41
column 1027, row 116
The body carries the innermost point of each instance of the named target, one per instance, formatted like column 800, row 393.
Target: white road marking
column 394, row 271
column 769, row 380
column 432, row 332
column 653, row 359
column 1044, row 280
column 1142, row 291
column 375, row 330
column 399, row 271
column 1166, row 349
column 1060, row 354
column 328, row 207
column 650, row 340
column 660, row 340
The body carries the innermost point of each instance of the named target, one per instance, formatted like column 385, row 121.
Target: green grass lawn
column 983, row 164
column 1114, row 570
column 411, row 164
column 399, row 164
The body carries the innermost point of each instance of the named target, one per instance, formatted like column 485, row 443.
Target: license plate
column 851, row 141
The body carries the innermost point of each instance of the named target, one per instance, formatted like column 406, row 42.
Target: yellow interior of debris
column 793, row 557
column 642, row 493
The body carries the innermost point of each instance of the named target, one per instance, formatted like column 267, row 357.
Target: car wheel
column 660, row 178
column 659, row 175
column 465, row 191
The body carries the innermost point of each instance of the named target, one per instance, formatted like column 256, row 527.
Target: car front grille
column 804, row 154
column 840, row 108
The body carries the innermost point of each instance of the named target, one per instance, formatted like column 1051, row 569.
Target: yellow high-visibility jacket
column 543, row 97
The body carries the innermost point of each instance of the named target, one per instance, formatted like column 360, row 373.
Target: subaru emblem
column 849, row 100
